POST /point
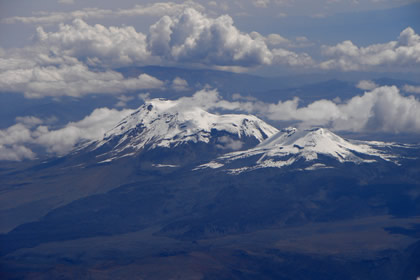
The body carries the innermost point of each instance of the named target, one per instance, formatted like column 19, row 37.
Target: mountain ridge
column 291, row 145
column 161, row 123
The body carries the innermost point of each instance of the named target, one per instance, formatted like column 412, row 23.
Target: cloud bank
column 403, row 53
column 16, row 140
column 76, row 59
column 382, row 109
column 155, row 9
column 186, row 35
column 71, row 80
column 412, row 89
column 63, row 62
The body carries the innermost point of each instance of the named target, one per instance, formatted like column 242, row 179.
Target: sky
column 73, row 48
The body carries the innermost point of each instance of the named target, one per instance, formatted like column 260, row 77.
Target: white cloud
column 366, row 85
column 71, row 80
column 57, row 64
column 275, row 40
column 92, row 127
column 156, row 9
column 12, row 140
column 67, row 2
column 179, row 84
column 144, row 96
column 271, row 39
column 195, row 38
column 60, row 62
column 18, row 133
column 123, row 100
column 192, row 37
column 383, row 109
column 15, row 141
column 15, row 153
column 29, row 121
column 402, row 54
column 226, row 142
column 261, row 3
column 412, row 89
column 283, row 56
column 97, row 44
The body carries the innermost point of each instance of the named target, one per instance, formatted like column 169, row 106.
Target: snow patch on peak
column 169, row 123
column 310, row 143
column 291, row 145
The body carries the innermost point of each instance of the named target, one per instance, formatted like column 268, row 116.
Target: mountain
column 170, row 126
column 309, row 149
column 118, row 208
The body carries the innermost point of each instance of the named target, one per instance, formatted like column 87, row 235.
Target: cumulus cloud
column 404, row 53
column 12, row 142
column 97, row 44
column 383, row 109
column 92, row 127
column 184, row 34
column 71, row 80
column 156, row 9
column 15, row 141
column 192, row 37
column 179, row 84
column 61, row 62
column 15, row 153
column 366, row 85
column 412, row 89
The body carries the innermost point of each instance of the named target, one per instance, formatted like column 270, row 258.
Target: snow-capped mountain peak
column 291, row 145
column 168, row 123
column 310, row 142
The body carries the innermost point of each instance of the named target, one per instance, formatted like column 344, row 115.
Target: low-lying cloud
column 382, row 109
column 412, row 89
column 71, row 80
column 403, row 54
column 16, row 140
column 366, row 85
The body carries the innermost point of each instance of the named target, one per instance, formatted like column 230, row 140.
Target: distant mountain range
column 171, row 134
column 227, row 196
